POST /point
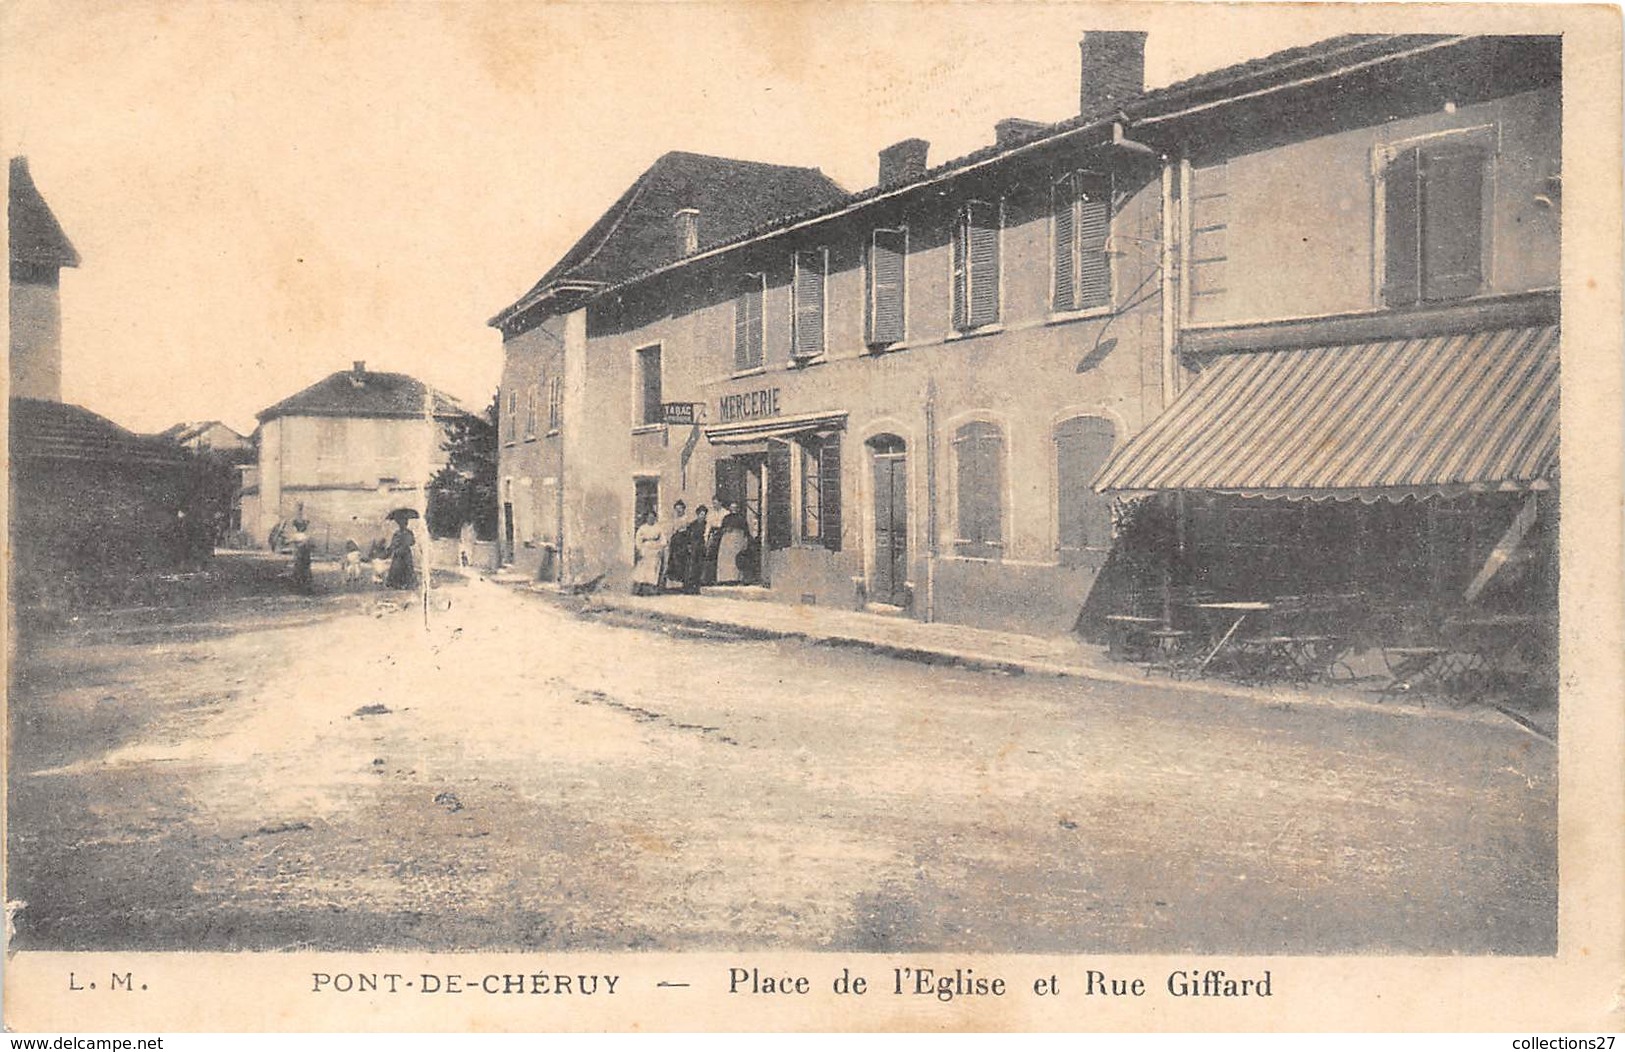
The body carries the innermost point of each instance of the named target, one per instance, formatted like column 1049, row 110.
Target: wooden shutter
column 984, row 263
column 961, row 274
column 649, row 359
column 808, row 311
column 829, row 492
column 1401, row 285
column 1063, row 200
column 748, row 324
column 1094, row 226
column 887, row 255
column 979, row 452
column 777, row 512
column 1451, row 181
column 1083, row 517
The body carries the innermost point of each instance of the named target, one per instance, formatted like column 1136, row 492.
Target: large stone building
column 344, row 452
column 911, row 390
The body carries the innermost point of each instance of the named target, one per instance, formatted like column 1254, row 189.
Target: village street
column 287, row 773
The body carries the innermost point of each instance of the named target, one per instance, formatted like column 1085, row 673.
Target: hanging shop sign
column 682, row 412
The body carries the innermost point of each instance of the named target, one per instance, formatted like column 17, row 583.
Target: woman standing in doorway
column 648, row 552
column 401, row 572
column 734, row 539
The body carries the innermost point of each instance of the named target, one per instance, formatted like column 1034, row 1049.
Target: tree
column 465, row 490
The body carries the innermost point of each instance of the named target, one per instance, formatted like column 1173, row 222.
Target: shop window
column 1434, row 223
column 976, row 266
column 821, row 491
column 649, row 391
column 979, row 474
column 887, row 278
column 1083, row 517
column 555, row 404
column 807, row 304
column 1081, row 212
column 748, row 323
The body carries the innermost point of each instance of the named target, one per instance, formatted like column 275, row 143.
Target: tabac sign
column 682, row 412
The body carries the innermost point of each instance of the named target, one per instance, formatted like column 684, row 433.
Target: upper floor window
column 979, row 488
column 1083, row 444
column 1434, row 222
column 332, row 435
column 530, row 411
column 510, row 425
column 976, row 265
column 555, row 403
column 650, row 410
column 1081, row 205
column 807, row 303
column 888, row 255
column 748, row 323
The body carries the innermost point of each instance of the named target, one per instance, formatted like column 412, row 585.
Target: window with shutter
column 829, row 497
column 1083, row 517
column 530, row 411
column 811, row 480
column 979, row 478
column 510, row 426
column 1433, row 226
column 748, row 323
column 555, row 403
column 807, row 307
column 1081, row 210
column 649, row 386
column 888, row 254
column 976, row 266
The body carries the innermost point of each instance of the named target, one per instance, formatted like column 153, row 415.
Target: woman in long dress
column 734, row 540
column 401, row 573
column 648, row 552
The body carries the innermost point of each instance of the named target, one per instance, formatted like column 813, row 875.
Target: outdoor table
column 1243, row 609
column 1130, row 632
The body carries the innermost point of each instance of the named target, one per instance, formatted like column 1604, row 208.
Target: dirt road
column 282, row 774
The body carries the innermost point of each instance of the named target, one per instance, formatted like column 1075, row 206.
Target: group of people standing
column 692, row 552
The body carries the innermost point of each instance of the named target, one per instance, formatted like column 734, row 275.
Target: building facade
column 345, row 452
column 910, row 392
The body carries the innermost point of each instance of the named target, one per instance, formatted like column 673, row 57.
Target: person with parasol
column 399, row 549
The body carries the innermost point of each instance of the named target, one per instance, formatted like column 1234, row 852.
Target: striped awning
column 1466, row 412
column 750, row 431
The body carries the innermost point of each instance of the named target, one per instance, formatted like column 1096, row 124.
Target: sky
column 263, row 193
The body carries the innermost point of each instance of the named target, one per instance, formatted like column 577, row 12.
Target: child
column 352, row 563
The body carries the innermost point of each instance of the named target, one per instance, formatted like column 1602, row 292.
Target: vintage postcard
column 769, row 516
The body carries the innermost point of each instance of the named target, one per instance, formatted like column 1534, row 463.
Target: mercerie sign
column 752, row 405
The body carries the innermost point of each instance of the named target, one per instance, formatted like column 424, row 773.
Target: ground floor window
column 645, row 499
column 1083, row 517
column 820, row 470
column 979, row 479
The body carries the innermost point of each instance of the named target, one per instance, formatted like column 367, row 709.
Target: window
column 1434, row 223
column 976, row 266
column 1083, row 517
column 530, row 411
column 645, row 499
column 807, row 306
column 888, row 255
column 979, row 464
column 1082, row 205
column 331, row 436
column 510, row 426
column 748, row 323
column 821, row 491
column 649, row 396
column 555, row 403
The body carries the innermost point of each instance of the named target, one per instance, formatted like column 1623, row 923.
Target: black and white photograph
column 687, row 504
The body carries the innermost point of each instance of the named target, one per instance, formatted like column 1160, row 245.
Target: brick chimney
column 358, row 373
column 903, row 161
column 1113, row 69
column 1011, row 129
column 687, row 223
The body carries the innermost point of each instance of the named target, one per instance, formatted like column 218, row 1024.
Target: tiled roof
column 36, row 236
column 42, row 430
column 1278, row 68
column 375, row 395
column 638, row 232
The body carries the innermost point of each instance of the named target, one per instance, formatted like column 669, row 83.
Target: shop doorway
column 740, row 486
column 507, row 531
column 889, row 584
column 645, row 498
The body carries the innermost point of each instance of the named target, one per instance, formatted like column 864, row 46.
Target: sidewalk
column 968, row 647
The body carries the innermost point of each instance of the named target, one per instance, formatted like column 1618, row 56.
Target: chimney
column 358, row 373
column 687, row 221
column 1013, row 129
column 903, row 161
column 1113, row 69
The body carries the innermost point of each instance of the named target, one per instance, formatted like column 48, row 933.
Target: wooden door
column 891, row 520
